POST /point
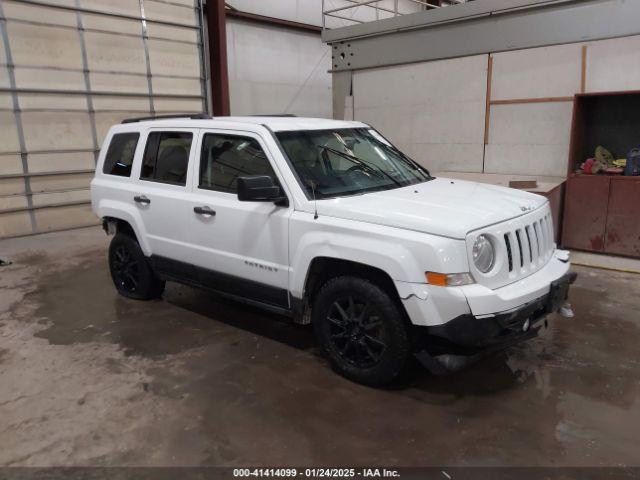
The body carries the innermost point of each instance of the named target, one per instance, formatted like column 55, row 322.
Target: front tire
column 362, row 330
column 130, row 271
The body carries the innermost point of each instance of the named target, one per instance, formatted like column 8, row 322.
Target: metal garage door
column 68, row 70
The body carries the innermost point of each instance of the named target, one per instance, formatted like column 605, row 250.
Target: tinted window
column 120, row 153
column 166, row 157
column 227, row 157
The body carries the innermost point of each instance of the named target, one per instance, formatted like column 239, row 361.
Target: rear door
column 240, row 247
column 162, row 190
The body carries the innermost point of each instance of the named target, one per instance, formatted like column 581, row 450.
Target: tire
column 130, row 270
column 361, row 330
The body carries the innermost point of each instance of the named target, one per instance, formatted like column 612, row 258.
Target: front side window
column 349, row 161
column 166, row 157
column 120, row 154
column 224, row 158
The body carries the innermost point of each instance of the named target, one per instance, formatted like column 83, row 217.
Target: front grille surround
column 522, row 246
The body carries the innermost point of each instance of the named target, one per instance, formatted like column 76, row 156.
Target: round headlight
column 483, row 253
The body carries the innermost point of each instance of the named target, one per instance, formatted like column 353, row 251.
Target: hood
column 446, row 207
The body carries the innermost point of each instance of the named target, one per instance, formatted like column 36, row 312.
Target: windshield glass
column 333, row 163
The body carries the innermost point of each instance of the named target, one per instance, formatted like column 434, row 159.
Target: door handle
column 204, row 211
column 141, row 199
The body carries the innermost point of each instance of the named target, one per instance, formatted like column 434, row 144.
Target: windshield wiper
column 358, row 161
column 407, row 160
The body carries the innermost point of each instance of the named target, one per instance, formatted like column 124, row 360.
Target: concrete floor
column 90, row 378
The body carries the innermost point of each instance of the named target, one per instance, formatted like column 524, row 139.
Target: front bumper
column 429, row 305
column 452, row 346
column 503, row 329
column 454, row 325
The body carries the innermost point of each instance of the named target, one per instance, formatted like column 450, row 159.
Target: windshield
column 333, row 163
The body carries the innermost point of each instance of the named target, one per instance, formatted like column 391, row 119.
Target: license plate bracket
column 558, row 293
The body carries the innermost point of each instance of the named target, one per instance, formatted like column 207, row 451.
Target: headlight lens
column 483, row 254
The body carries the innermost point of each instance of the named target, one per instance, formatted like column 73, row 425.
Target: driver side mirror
column 260, row 188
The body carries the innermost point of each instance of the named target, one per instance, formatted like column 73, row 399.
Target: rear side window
column 226, row 157
column 166, row 157
column 120, row 154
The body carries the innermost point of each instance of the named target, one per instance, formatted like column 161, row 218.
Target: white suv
column 328, row 222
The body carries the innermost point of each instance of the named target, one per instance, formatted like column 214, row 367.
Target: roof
column 295, row 123
column 277, row 124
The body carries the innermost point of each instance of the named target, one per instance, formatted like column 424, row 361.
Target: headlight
column 482, row 253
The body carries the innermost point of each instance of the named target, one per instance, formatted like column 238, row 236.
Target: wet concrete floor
column 90, row 378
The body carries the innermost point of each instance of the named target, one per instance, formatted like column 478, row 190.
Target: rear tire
column 131, row 273
column 362, row 330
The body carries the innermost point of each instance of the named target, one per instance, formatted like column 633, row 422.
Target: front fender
column 404, row 255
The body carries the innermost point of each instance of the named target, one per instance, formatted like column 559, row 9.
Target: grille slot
column 549, row 223
column 543, row 235
column 520, row 248
column 509, row 256
column 535, row 231
column 527, row 229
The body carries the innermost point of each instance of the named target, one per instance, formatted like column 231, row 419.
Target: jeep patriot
column 328, row 222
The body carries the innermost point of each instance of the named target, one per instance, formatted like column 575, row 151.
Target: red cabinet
column 622, row 232
column 585, row 212
column 601, row 212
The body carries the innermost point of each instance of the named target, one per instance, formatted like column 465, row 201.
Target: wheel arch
column 324, row 268
column 126, row 220
column 112, row 225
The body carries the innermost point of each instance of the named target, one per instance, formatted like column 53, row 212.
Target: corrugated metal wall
column 68, row 70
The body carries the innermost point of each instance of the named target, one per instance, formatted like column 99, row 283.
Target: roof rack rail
column 275, row 115
column 193, row 116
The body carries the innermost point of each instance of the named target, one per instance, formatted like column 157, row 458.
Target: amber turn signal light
column 434, row 278
column 448, row 279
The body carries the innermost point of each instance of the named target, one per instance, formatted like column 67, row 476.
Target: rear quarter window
column 119, row 157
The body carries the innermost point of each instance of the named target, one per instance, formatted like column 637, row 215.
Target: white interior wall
column 529, row 127
column 274, row 70
column 613, row 65
column 433, row 110
column 537, row 72
column 529, row 139
column 532, row 138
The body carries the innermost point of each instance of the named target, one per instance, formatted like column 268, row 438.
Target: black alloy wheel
column 126, row 269
column 356, row 331
column 130, row 270
column 362, row 329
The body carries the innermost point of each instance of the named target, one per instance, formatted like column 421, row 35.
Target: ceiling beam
column 254, row 17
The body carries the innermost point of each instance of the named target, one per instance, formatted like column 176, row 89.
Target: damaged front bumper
column 453, row 345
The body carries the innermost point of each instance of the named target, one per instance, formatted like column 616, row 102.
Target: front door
column 240, row 248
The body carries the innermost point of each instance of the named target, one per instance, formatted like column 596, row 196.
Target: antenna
column 315, row 200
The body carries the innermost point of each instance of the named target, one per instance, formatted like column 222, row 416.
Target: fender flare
column 127, row 213
column 386, row 259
